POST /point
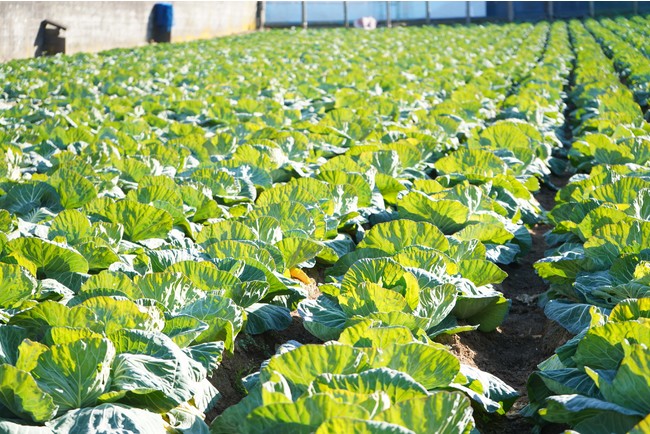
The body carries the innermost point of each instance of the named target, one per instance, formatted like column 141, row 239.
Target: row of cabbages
column 598, row 265
column 153, row 213
column 426, row 263
column 151, row 216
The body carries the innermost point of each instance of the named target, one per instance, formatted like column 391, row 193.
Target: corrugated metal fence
column 340, row 13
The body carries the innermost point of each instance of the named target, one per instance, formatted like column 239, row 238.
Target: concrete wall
column 96, row 26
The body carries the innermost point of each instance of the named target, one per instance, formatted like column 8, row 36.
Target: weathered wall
column 95, row 26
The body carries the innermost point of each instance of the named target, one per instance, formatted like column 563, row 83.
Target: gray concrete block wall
column 96, row 26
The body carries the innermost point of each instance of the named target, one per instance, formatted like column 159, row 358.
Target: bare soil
column 250, row 352
column 525, row 338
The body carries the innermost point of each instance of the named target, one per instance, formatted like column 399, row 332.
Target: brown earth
column 250, row 352
column 525, row 338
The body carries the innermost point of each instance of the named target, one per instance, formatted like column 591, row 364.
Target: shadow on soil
column 250, row 352
column 525, row 338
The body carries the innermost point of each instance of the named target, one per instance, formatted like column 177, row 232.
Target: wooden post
column 428, row 12
column 468, row 15
column 388, row 21
column 345, row 14
column 260, row 15
column 511, row 11
column 304, row 14
column 592, row 9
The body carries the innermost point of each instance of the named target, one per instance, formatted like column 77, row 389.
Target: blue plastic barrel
column 163, row 16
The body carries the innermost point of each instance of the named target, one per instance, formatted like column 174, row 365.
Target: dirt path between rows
column 250, row 352
column 525, row 338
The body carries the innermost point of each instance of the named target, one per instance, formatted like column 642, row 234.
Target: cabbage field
column 353, row 201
